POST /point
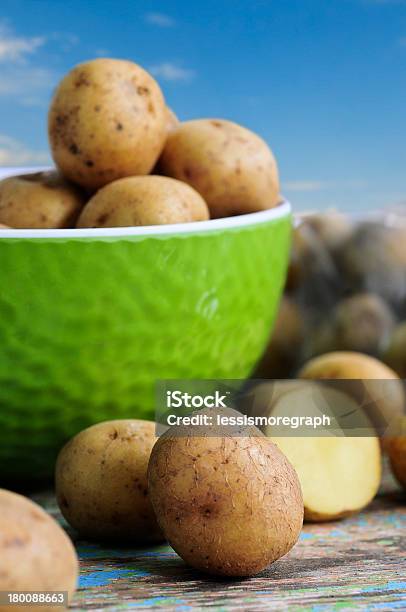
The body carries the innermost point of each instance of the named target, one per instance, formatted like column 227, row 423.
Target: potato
column 339, row 475
column 107, row 120
column 283, row 351
column 332, row 228
column 229, row 505
column 362, row 323
column 396, row 447
column 232, row 168
column 374, row 260
column 101, row 482
column 40, row 200
column 376, row 387
column 297, row 399
column 35, row 552
column 395, row 354
column 312, row 273
column 143, row 200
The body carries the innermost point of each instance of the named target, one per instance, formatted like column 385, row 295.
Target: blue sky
column 323, row 81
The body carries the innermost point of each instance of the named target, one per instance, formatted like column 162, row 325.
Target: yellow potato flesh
column 338, row 475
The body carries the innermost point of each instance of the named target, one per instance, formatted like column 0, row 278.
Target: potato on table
column 101, row 482
column 339, row 476
column 229, row 505
column 231, row 167
column 374, row 385
column 35, row 552
column 39, row 201
column 107, row 120
column 143, row 200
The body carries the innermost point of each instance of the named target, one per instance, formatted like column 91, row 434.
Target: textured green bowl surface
column 87, row 325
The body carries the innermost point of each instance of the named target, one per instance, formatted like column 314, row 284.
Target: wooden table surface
column 355, row 564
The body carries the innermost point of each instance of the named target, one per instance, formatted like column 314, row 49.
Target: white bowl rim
column 257, row 218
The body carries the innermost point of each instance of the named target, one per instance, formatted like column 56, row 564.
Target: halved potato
column 339, row 463
column 339, row 475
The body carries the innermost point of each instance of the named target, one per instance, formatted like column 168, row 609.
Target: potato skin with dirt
column 231, row 167
column 42, row 200
column 229, row 506
column 101, row 482
column 35, row 552
column 107, row 120
column 143, row 200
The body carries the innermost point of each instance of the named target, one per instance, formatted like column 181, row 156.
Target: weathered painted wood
column 355, row 564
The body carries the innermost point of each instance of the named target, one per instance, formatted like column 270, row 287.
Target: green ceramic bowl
column 90, row 319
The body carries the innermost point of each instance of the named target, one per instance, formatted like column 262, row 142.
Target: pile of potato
column 346, row 291
column 343, row 317
column 123, row 159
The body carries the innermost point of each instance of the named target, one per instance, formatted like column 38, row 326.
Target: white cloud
column 28, row 84
column 14, row 48
column 160, row 19
column 168, row 71
column 305, row 186
column 25, row 80
column 66, row 40
column 310, row 186
column 15, row 153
